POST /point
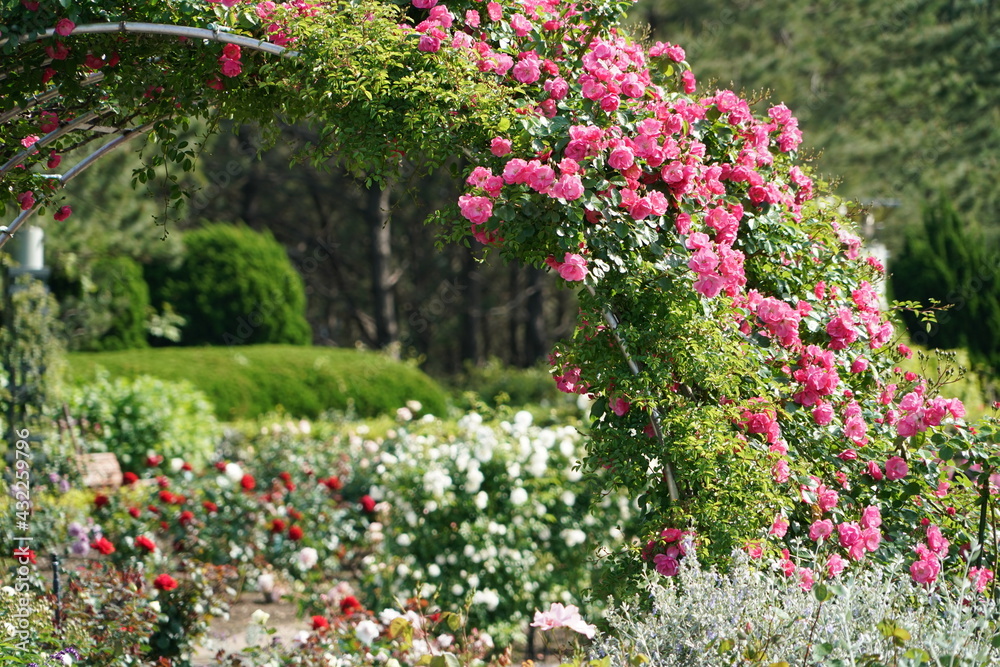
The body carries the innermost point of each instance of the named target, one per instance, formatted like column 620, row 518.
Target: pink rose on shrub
column 820, row 529
column 895, row 469
column 925, row 571
column 64, row 27
column 871, row 517
column 666, row 565
column 429, row 44
column 779, row 527
column 231, row 68
column 806, row 579
column 826, row 498
column 823, row 413
column 26, row 200
column 835, row 565
column 573, row 268
column 780, row 471
column 475, row 209
column 849, row 534
column 63, row 213
column 874, row 471
column 980, row 577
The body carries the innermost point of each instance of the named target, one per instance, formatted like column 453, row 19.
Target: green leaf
column 726, row 645
column 445, row 660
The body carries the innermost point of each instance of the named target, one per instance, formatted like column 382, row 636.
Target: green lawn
column 247, row 381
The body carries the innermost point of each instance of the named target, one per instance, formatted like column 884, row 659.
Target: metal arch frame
column 7, row 232
column 215, row 34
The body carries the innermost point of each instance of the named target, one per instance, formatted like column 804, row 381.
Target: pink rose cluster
column 856, row 539
column 927, row 567
column 230, row 64
column 667, row 550
column 573, row 268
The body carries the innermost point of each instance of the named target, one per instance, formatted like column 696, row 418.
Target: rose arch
column 746, row 379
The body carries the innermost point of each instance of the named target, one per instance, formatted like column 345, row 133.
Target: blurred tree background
column 898, row 103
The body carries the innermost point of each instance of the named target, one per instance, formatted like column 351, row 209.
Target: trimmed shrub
column 250, row 381
column 145, row 415
column 237, row 286
column 122, row 290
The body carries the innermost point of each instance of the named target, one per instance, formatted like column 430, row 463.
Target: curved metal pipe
column 213, row 35
column 41, row 98
column 7, row 233
column 49, row 138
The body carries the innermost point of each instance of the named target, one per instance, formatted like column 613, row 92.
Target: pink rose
column 666, row 565
column 63, row 213
column 568, row 187
column 500, row 146
column 621, row 157
column 26, row 200
column 428, row 44
column 424, row 4
column 671, row 534
column 980, row 577
column 64, row 27
column 475, row 209
column 835, row 565
column 895, row 469
column 806, row 579
column 823, row 413
column 820, row 530
column 620, row 406
column 849, row 534
column 780, row 471
column 826, row 498
column 871, row 538
column 925, row 571
column 231, row 68
column 871, row 517
column 874, row 471
column 779, row 527
column 526, row 71
column 573, row 268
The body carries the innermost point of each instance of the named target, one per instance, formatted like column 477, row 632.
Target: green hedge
column 245, row 382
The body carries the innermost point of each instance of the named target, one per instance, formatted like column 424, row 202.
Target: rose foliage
column 731, row 331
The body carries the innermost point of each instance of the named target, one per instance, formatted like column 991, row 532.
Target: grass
column 248, row 381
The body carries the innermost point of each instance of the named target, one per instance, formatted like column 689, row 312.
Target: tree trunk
column 534, row 331
column 383, row 294
column 472, row 314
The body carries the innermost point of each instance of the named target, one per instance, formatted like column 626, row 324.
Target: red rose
column 294, row 513
column 333, row 483
column 100, row 500
column 145, row 543
column 285, row 477
column 320, row 622
column 130, row 478
column 185, row 518
column 162, row 481
column 186, row 467
column 368, row 504
column 220, row 466
column 210, row 506
column 165, row 582
column 295, row 533
column 248, row 482
column 166, row 497
column 135, row 512
column 278, row 526
column 349, row 605
column 104, row 546
column 153, row 509
column 153, row 460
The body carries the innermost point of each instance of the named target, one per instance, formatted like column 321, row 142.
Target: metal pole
column 55, row 591
column 654, row 415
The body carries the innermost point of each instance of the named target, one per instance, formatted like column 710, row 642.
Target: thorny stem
column 812, row 631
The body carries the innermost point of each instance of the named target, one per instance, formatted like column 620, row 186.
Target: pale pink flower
column 871, row 517
column 559, row 616
column 895, row 469
column 779, row 527
column 666, row 565
column 475, row 209
column 849, row 534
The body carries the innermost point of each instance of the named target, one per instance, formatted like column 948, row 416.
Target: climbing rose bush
column 745, row 374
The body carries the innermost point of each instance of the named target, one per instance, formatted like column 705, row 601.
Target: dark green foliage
column 304, row 381
column 237, row 287
column 124, row 294
column 947, row 260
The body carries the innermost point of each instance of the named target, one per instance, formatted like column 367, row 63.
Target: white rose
column 367, row 631
column 518, row 496
column 259, row 617
column 234, row 472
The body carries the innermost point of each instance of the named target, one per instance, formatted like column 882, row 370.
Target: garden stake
column 654, row 416
column 56, row 621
